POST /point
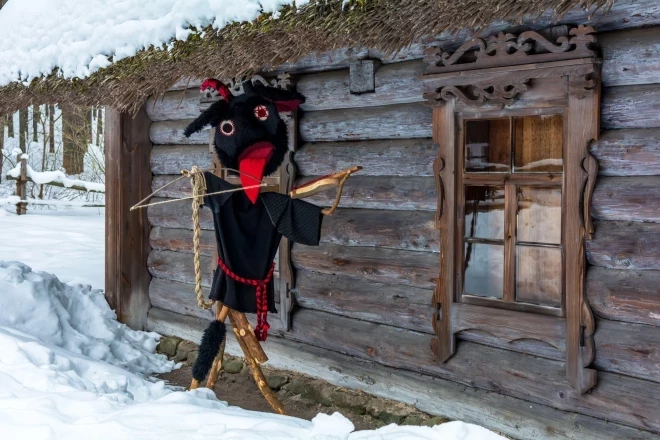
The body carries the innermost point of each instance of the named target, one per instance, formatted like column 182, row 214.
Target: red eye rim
column 261, row 112
column 222, row 125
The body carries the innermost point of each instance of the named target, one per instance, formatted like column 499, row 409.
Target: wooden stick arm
column 334, row 180
column 322, row 184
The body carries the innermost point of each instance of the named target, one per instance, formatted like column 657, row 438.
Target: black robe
column 248, row 236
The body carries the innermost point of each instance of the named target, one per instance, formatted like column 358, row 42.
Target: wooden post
column 21, row 186
column 128, row 180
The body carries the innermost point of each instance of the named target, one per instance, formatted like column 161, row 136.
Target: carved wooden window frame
column 505, row 76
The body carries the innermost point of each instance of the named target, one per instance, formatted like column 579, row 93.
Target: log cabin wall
column 366, row 290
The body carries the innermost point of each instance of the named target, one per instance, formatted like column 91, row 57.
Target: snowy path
column 68, row 243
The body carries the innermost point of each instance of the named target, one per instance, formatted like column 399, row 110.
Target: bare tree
column 22, row 129
column 36, row 117
column 10, row 125
column 99, row 125
column 2, row 138
column 51, row 128
column 74, row 137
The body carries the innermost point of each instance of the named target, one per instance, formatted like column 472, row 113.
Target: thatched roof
column 239, row 48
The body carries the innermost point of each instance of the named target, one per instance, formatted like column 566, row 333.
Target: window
column 511, row 184
column 513, row 117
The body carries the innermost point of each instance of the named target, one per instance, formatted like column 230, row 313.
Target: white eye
column 261, row 112
column 227, row 127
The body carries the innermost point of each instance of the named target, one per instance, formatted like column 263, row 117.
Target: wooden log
column 181, row 188
column 245, row 331
column 387, row 122
column 510, row 416
column 623, row 295
column 171, row 159
column 177, row 297
column 180, row 104
column 171, row 133
column 625, row 245
column 631, row 107
column 395, row 84
column 618, row 398
column 400, row 157
column 390, row 266
column 177, row 215
column 180, row 240
column 399, row 306
column 630, row 349
column 176, row 266
column 630, row 57
column 410, row 230
column 627, row 198
column 633, row 152
column 390, row 193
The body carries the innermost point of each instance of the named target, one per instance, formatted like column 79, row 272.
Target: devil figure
column 250, row 138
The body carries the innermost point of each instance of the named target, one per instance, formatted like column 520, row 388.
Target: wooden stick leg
column 257, row 374
column 221, row 313
column 217, row 366
column 241, row 323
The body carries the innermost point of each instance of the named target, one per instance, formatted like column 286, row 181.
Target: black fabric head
column 248, row 125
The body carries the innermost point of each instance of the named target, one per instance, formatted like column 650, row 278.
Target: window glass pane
column 488, row 145
column 484, row 212
column 484, row 270
column 538, row 275
column 538, row 144
column 539, row 214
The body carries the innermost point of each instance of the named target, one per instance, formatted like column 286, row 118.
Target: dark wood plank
column 181, row 188
column 171, row 133
column 618, row 398
column 177, row 215
column 410, row 230
column 623, row 295
column 177, row 266
column 390, row 193
column 630, row 56
column 181, row 240
column 510, row 416
column 631, row 107
column 128, row 180
column 171, row 159
column 630, row 349
column 400, row 157
column 178, row 297
column 627, row 198
column 634, row 152
column 388, row 122
column 625, row 245
column 395, row 84
column 391, row 266
column 398, row 306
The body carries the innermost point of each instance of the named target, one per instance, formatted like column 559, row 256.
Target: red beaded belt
column 261, row 331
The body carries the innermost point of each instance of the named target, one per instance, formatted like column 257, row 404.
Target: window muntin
column 511, row 253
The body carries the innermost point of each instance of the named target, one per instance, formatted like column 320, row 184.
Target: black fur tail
column 208, row 349
column 211, row 116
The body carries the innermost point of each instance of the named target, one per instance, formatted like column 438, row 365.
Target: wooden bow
column 326, row 182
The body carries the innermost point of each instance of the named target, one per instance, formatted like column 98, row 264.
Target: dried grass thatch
column 322, row 25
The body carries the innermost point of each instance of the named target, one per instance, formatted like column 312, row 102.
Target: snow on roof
column 80, row 37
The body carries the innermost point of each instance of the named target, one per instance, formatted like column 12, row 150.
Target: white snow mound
column 76, row 318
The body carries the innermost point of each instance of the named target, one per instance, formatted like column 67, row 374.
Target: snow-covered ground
column 69, row 370
column 67, row 242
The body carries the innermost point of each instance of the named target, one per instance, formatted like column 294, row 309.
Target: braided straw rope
column 199, row 189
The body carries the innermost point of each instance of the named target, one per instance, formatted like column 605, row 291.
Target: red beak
column 252, row 163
